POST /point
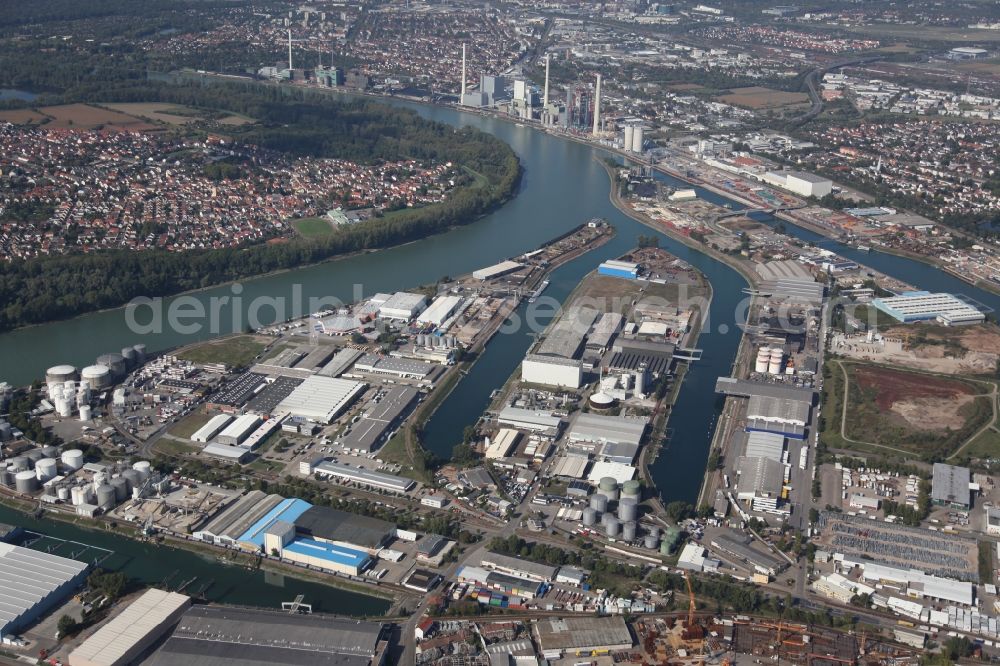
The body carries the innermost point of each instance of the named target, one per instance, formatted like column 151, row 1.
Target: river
column 563, row 186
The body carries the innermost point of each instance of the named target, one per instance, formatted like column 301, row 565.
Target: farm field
column 171, row 114
column 132, row 116
column 757, row 97
column 22, row 117
column 922, row 414
column 85, row 116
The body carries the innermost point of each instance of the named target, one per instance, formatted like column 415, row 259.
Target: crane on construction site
column 691, row 606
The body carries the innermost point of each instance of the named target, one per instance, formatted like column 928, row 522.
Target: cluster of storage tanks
column 38, row 467
column 70, row 390
column 430, row 340
column 771, row 361
column 633, row 138
column 622, row 523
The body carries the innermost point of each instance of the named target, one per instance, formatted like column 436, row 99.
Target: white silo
column 144, row 469
column 80, row 495
column 774, row 364
column 637, row 139
column 629, row 133
column 640, row 380
column 59, row 374
column 62, row 493
column 73, row 459
column 25, row 482
column 85, row 414
column 46, row 469
column 97, row 376
column 763, row 356
column 64, row 404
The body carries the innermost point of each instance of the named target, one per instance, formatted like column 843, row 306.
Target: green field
column 233, row 352
column 190, row 425
column 311, row 227
column 172, row 447
column 986, row 445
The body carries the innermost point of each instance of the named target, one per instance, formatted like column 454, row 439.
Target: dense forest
column 49, row 288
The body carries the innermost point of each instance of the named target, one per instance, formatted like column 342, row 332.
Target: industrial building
column 636, row 355
column 230, row 636
column 340, row 362
column 33, row 583
column 760, row 482
column 496, row 270
column 800, row 182
column 133, row 631
column 211, row 429
column 622, row 269
column 583, row 636
column 604, row 331
column 442, row 309
column 238, row 523
column 321, row 399
column 500, row 582
column 527, row 419
column 368, row 434
column 400, row 368
column 913, row 306
column 280, row 539
column 763, row 445
column 402, row 306
column 363, row 477
column 239, row 429
column 552, row 371
column 565, row 338
column 345, row 529
column 515, row 566
column 739, row 548
column 950, row 486
column 503, row 444
column 783, row 416
column 608, row 429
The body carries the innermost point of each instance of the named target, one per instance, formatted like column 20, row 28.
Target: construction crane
column 691, row 606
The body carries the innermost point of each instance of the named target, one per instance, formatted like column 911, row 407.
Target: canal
column 214, row 579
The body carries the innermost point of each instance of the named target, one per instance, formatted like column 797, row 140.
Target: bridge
column 685, row 354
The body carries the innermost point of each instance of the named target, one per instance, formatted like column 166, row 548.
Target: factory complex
column 32, row 583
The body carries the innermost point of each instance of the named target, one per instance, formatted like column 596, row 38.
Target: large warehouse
column 342, row 473
column 950, row 486
column 229, row 636
column 915, row 306
column 528, row 419
column 402, row 306
column 552, row 371
column 133, row 631
column 281, row 539
column 33, row 583
column 241, row 523
column 368, row 434
column 440, row 310
column 607, row 429
column 321, row 399
column 782, row 416
column 583, row 636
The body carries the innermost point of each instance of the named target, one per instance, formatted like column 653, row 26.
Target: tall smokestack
column 597, row 106
column 289, row 50
column 545, row 97
column 461, row 100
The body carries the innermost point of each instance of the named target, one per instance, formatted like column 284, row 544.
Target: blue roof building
column 288, row 510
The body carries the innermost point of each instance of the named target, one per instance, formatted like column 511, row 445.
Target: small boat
column 538, row 292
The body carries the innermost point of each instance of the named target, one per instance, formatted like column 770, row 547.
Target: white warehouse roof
column 599, row 428
column 321, row 399
column 440, row 310
column 31, row 580
column 212, row 428
column 131, row 631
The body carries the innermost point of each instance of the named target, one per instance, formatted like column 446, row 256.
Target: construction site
column 178, row 512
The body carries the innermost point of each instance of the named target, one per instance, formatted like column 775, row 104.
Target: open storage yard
column 764, row 98
column 910, row 412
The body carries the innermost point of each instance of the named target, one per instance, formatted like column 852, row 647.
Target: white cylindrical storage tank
column 599, row 502
column 59, row 374
column 100, row 479
column 120, row 486
column 128, row 353
column 79, row 495
column 85, row 414
column 651, row 541
column 6, row 478
column 144, row 469
column 106, row 497
column 629, row 133
column 46, row 469
column 50, row 451
column 774, row 365
column 25, row 482
column 62, row 493
column 140, row 352
column 64, row 406
column 628, row 509
column 18, row 463
column 73, row 458
column 640, row 380
column 762, row 360
column 612, row 527
column 637, row 139
column 69, row 386
column 632, row 488
column 115, row 362
column 33, row 456
column 132, row 478
column 628, row 530
column 589, row 517
column 608, row 486
column 97, row 376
